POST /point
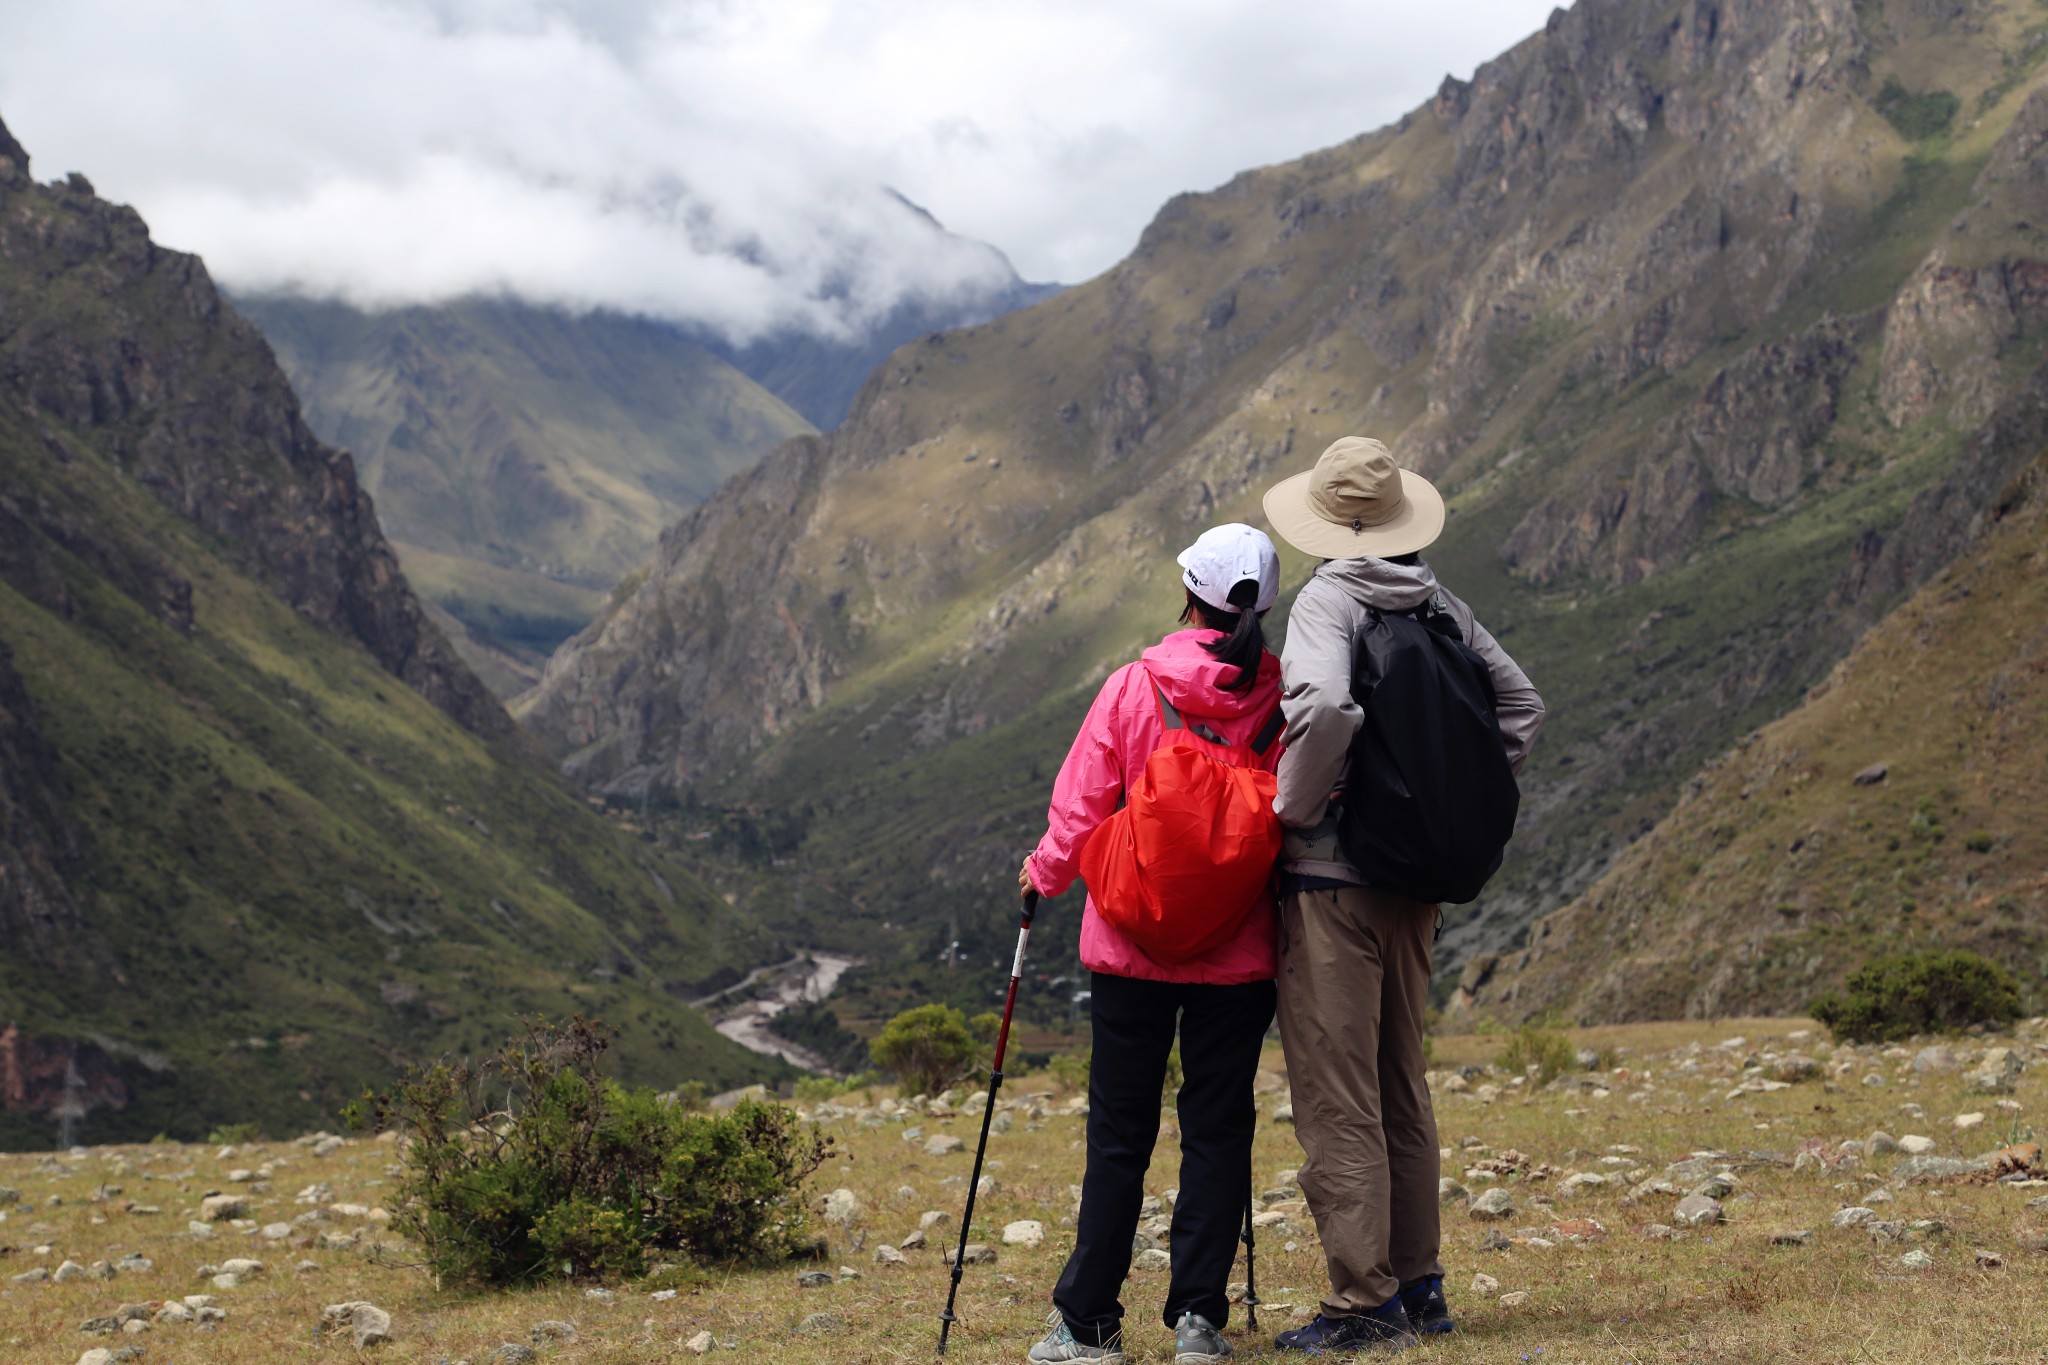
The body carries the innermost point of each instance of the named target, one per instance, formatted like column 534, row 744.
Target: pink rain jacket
column 1122, row 729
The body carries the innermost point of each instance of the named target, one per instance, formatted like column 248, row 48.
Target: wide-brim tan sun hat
column 1356, row 502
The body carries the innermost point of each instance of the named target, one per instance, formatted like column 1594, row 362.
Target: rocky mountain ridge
column 1643, row 296
column 262, row 833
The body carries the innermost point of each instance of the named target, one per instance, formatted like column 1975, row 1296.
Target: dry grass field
column 1946, row 1270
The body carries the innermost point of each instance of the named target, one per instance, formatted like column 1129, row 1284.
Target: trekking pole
column 1251, row 1278
column 995, row 1083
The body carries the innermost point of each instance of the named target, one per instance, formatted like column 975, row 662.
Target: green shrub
column 813, row 1026
column 1931, row 992
column 1550, row 1052
column 1917, row 117
column 928, row 1048
column 235, row 1134
column 1070, row 1069
column 532, row 1164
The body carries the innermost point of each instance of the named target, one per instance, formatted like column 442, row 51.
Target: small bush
column 532, row 1165
column 1917, row 117
column 1070, row 1069
column 928, row 1048
column 1932, row 992
column 1550, row 1052
column 235, row 1134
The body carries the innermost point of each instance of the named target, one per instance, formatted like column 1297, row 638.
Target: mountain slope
column 1906, row 803
column 523, row 459
column 1678, row 301
column 262, row 835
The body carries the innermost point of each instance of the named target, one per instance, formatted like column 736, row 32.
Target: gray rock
column 100, row 1327
column 1152, row 1260
column 978, row 1253
column 944, row 1144
column 1885, row 1230
column 1659, row 1232
column 219, row 1208
column 1494, row 1203
column 1917, row 1144
column 1998, row 1073
column 554, row 1329
column 98, row 1355
column 1880, row 1143
column 1925, row 1168
column 512, row 1353
column 1854, row 1216
column 700, row 1345
column 843, row 1207
column 35, row 1276
column 1792, row 1237
column 9, row 1195
column 134, row 1263
column 1449, row 1191
column 369, row 1326
column 820, row 1324
column 1698, row 1210
column 915, row 1241
column 1870, row 776
column 70, row 1270
column 888, row 1255
column 1917, row 1260
column 1935, row 1058
column 814, row 1279
column 1716, row 1186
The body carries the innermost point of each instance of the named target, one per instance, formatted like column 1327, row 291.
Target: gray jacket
column 1322, row 630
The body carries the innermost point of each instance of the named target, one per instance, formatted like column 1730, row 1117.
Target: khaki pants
column 1354, row 982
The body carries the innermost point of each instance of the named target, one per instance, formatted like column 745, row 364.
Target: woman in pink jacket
column 1218, row 674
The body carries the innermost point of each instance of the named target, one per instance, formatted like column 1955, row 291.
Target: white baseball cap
column 1223, row 557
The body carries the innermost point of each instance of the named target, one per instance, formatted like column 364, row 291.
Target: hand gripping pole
column 995, row 1083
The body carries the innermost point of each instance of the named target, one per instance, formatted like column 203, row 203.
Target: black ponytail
column 1244, row 642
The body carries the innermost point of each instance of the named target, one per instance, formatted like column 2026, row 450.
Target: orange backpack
column 1184, row 861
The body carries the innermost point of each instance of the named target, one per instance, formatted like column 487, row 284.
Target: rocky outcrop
column 123, row 339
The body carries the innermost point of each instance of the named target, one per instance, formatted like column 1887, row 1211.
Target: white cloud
column 722, row 161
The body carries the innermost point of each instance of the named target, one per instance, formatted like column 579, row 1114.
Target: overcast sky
column 721, row 161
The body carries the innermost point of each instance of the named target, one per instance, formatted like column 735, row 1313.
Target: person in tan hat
column 1354, row 956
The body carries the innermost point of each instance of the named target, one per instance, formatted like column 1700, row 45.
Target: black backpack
column 1430, row 802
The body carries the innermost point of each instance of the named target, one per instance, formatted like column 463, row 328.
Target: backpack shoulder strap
column 1270, row 731
column 1171, row 717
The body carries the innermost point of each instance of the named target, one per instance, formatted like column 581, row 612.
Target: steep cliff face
column 1627, row 295
column 262, row 837
column 108, row 333
column 523, row 459
column 1904, row 804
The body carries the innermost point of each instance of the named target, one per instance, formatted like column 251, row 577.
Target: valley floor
column 1949, row 1270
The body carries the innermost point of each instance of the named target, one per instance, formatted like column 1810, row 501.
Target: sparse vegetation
column 1931, row 992
column 531, row 1165
column 1549, row 1051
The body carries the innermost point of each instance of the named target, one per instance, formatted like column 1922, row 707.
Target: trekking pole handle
column 1030, row 907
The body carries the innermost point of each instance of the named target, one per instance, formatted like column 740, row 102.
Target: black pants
column 1221, row 1031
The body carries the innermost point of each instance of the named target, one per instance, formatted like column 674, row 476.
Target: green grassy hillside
column 1904, row 805
column 261, row 836
column 523, row 458
column 1684, row 308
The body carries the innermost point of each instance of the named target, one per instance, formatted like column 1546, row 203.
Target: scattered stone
column 814, row 1279
column 1880, row 1143
column 173, row 1311
column 70, row 1270
column 134, row 1263
column 219, row 1208
column 1518, row 1299
column 1917, row 1260
column 1988, row 1260
column 944, row 1144
column 820, row 1324
column 35, row 1276
column 1494, row 1203
column 201, row 1230
column 1968, row 1121
column 306, row 1267
column 1997, row 1073
column 916, row 1241
column 98, row 1355
column 226, row 1280
column 242, row 1266
column 1913, row 1144
column 276, row 1232
column 1924, row 1168
column 1025, row 1232
column 1879, row 1195
column 1885, row 1230
column 554, row 1329
column 1698, row 1210
column 1854, row 1216
column 1935, row 1058
column 99, row 1327
column 988, row 1187
column 701, row 1344
column 329, row 1145
column 1283, row 1113
column 368, row 1325
column 1871, row 776
column 1485, row 1286
column 1792, row 1237
column 1154, row 1259
column 1659, row 1232
column 1494, row 1241
column 888, row 1255
column 843, row 1207
column 933, row 1218
column 1449, row 1191
column 512, row 1353
column 978, row 1253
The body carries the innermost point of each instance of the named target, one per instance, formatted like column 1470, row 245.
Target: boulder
column 369, row 1326
column 1698, row 1210
column 1997, row 1073
column 1493, row 1204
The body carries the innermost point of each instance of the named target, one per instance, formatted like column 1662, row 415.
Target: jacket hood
column 1381, row 583
column 1192, row 678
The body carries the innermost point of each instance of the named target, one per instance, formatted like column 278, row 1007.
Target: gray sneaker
column 1197, row 1342
column 1059, row 1344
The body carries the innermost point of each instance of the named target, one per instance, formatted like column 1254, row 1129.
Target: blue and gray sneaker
column 1385, row 1327
column 1060, row 1345
column 1426, row 1308
column 1196, row 1341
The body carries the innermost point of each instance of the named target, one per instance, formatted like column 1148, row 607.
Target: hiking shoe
column 1196, row 1341
column 1386, row 1326
column 1059, row 1344
column 1427, row 1310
